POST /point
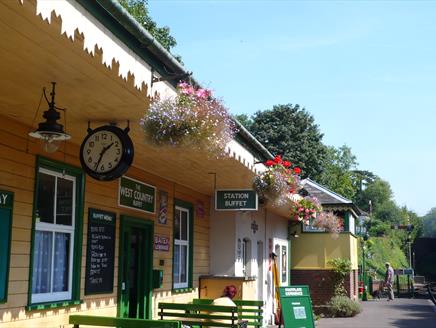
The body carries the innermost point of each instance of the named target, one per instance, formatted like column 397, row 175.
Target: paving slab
column 401, row 312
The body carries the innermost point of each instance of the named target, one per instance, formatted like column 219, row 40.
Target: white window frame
column 53, row 227
column 246, row 257
column 279, row 244
column 181, row 242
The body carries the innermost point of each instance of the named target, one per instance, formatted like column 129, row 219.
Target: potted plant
column 277, row 182
column 193, row 118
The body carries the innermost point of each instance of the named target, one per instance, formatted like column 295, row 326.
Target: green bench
column 251, row 311
column 206, row 315
column 90, row 320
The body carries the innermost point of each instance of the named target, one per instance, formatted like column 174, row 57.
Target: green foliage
column 139, row 10
column 383, row 250
column 378, row 192
column 245, row 120
column 343, row 306
column 429, row 224
column 341, row 267
column 337, row 174
column 291, row 131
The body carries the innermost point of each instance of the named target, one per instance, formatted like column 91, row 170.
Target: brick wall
column 321, row 284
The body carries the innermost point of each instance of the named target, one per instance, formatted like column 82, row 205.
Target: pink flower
column 203, row 93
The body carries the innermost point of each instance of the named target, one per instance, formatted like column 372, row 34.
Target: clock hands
column 105, row 149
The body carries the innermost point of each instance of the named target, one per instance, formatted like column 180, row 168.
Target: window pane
column 284, row 261
column 64, row 202
column 176, row 264
column 61, row 261
column 184, row 264
column 45, row 203
column 42, row 257
column 177, row 225
column 184, row 222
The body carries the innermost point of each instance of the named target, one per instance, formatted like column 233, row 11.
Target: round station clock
column 106, row 152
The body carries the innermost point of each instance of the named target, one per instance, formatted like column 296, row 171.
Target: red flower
column 278, row 159
column 297, row 170
column 286, row 163
column 269, row 163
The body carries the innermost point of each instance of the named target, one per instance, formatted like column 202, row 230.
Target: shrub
column 343, row 306
column 341, row 267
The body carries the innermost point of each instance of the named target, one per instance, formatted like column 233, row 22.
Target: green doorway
column 135, row 268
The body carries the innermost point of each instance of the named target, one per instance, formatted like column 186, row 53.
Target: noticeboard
column 99, row 276
column 6, row 204
column 296, row 307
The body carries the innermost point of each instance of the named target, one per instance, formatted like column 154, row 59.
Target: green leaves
column 139, row 10
column 291, row 131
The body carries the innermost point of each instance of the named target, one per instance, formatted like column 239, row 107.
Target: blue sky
column 366, row 71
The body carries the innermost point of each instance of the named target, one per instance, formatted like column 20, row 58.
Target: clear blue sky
column 365, row 70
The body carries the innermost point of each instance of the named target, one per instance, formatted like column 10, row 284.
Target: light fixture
column 50, row 132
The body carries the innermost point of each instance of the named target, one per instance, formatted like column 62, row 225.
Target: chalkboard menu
column 99, row 277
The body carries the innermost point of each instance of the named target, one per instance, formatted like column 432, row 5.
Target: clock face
column 102, row 151
column 106, row 153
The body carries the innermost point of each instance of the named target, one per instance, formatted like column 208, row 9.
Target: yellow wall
column 313, row 250
column 17, row 174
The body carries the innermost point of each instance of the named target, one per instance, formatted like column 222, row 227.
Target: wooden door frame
column 126, row 222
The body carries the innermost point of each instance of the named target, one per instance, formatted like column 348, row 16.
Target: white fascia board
column 96, row 35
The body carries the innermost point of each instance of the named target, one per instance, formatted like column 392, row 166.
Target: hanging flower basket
column 278, row 182
column 329, row 221
column 191, row 119
column 305, row 208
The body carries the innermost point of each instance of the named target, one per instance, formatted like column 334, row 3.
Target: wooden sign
column 137, row 195
column 232, row 200
column 296, row 306
column 6, row 204
column 99, row 276
column 161, row 243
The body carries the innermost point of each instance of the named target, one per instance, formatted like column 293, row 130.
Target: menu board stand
column 296, row 307
column 99, row 276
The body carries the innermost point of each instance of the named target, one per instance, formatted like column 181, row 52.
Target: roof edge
column 251, row 141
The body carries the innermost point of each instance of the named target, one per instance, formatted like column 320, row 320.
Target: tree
column 139, row 10
column 429, row 224
column 245, row 120
column 337, row 174
column 378, row 192
column 290, row 131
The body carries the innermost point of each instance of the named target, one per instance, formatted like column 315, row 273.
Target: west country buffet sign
column 234, row 200
column 137, row 195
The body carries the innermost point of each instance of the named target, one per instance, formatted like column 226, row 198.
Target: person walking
column 389, row 277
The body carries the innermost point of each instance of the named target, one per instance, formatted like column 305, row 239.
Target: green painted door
column 135, row 268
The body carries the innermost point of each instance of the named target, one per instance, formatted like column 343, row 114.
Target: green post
column 398, row 285
column 364, row 295
column 365, row 283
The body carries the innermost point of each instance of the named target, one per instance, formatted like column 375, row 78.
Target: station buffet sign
column 137, row 195
column 236, row 200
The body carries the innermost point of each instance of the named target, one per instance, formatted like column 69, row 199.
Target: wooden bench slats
column 246, row 309
column 198, row 307
column 208, row 324
column 195, row 315
column 250, row 310
column 90, row 320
